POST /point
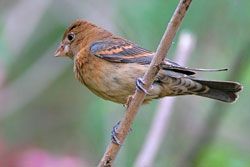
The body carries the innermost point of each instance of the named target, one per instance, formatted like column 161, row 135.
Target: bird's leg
column 114, row 133
column 129, row 98
column 140, row 85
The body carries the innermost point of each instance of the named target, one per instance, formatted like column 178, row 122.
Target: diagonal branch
column 161, row 120
column 137, row 99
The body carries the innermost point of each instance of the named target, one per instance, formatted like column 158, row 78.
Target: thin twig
column 162, row 117
column 137, row 99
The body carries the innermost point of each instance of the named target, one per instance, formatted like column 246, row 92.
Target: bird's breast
column 111, row 81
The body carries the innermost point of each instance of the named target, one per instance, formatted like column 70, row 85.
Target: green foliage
column 223, row 156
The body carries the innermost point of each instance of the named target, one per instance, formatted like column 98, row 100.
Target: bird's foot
column 140, row 85
column 114, row 133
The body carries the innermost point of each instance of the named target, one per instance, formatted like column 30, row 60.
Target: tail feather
column 225, row 91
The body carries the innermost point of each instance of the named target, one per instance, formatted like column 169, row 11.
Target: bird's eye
column 71, row 37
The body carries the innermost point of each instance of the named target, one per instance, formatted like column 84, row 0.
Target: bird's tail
column 225, row 91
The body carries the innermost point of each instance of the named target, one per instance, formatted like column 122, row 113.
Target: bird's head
column 75, row 37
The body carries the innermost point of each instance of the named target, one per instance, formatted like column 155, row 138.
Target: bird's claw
column 114, row 133
column 140, row 85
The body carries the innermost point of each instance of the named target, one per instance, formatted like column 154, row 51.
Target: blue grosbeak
column 111, row 67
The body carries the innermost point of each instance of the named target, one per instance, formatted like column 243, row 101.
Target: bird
column 112, row 67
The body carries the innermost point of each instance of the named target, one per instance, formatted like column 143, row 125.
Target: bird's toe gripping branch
column 114, row 133
column 140, row 85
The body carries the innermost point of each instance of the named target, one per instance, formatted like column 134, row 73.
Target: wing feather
column 122, row 51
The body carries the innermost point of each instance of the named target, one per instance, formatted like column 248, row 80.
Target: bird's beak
column 61, row 50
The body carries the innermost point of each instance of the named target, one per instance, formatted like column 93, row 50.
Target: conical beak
column 60, row 51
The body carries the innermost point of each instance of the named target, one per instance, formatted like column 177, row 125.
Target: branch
column 162, row 117
column 137, row 99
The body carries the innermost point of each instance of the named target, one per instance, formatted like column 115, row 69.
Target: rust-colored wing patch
column 121, row 51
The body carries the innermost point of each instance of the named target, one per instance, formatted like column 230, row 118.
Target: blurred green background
column 43, row 107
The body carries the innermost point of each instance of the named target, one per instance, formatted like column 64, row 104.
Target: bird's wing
column 123, row 51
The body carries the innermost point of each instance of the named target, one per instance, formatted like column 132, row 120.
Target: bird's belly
column 113, row 81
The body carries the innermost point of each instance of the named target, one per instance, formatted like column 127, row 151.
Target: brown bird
column 111, row 67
